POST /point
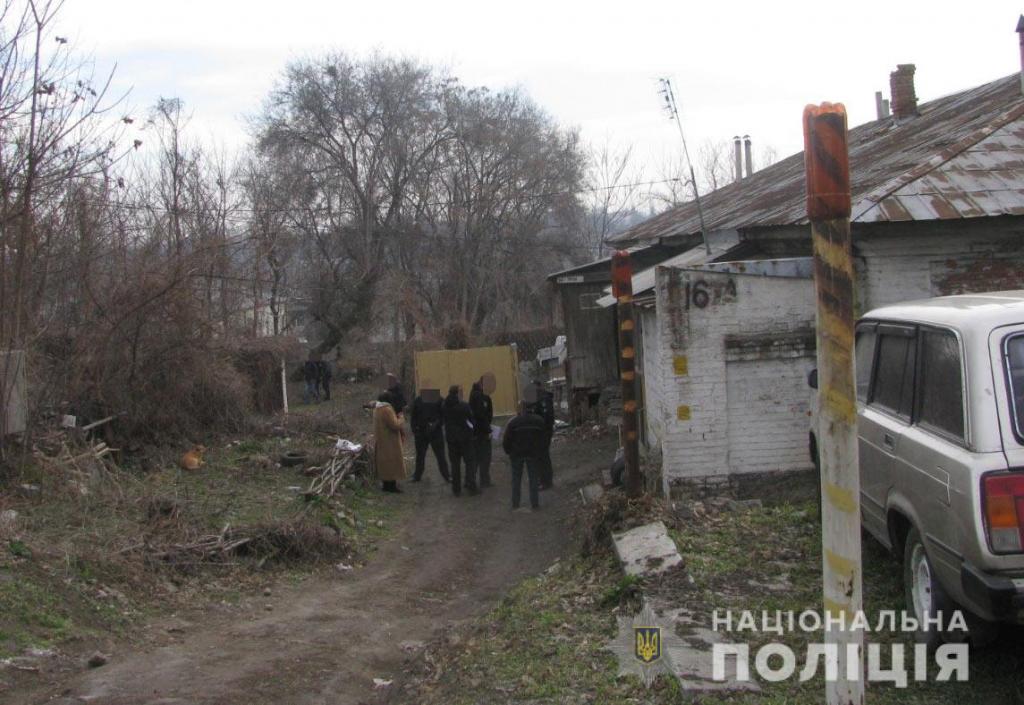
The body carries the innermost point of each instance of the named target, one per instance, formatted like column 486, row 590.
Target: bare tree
column 613, row 194
column 423, row 199
column 365, row 130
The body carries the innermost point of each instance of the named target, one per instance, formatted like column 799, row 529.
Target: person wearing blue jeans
column 523, row 441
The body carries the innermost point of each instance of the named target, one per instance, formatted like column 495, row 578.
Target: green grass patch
column 76, row 566
column 546, row 642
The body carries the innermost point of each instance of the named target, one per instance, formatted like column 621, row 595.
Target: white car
column 940, row 399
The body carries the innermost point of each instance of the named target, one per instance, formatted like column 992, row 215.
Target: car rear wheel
column 924, row 595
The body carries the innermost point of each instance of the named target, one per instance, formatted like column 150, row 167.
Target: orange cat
column 193, row 460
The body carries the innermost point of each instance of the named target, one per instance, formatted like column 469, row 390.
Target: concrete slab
column 591, row 492
column 646, row 550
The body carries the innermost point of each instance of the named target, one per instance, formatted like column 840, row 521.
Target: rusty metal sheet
column 892, row 209
column 961, row 146
column 943, row 208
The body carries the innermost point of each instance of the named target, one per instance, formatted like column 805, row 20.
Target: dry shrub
column 150, row 354
column 259, row 360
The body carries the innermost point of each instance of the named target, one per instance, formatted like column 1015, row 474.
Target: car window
column 1015, row 375
column 893, row 389
column 864, row 355
column 940, row 386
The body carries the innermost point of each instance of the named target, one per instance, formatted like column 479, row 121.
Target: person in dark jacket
column 311, row 376
column 428, row 431
column 458, row 433
column 324, row 376
column 483, row 414
column 544, row 407
column 397, row 395
column 523, row 441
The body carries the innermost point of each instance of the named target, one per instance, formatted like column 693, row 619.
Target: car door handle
column 889, row 442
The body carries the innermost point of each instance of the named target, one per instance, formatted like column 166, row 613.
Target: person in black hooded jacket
column 428, row 431
column 483, row 414
column 458, row 432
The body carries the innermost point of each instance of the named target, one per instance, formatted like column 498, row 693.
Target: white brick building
column 726, row 341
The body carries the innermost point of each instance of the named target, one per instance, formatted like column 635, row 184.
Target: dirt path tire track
column 326, row 639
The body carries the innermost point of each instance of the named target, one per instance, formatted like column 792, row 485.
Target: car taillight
column 1003, row 505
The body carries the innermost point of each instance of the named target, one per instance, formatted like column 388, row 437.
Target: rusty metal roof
column 961, row 157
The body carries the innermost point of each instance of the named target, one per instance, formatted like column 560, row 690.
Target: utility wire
column 236, row 213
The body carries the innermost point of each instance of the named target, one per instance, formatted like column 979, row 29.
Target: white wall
column 748, row 408
column 743, row 382
column 768, row 413
column 921, row 265
column 652, row 375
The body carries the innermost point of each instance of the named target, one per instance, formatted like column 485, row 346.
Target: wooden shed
column 591, row 336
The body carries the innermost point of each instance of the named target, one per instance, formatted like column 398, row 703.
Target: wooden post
column 622, row 289
column 828, row 207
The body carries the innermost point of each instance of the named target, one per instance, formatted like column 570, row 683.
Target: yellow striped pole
column 622, row 289
column 826, row 160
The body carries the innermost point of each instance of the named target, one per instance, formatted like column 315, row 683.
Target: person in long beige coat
column 388, row 435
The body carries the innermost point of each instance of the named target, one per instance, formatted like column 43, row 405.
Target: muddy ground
column 327, row 639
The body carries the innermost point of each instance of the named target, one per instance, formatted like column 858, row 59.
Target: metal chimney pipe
column 750, row 157
column 1020, row 35
column 880, row 105
column 885, row 107
column 738, row 151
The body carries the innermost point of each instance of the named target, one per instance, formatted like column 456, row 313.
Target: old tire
column 924, row 595
column 292, row 458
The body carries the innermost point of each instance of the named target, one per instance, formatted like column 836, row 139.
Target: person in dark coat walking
column 458, row 433
column 311, row 376
column 523, row 441
column 324, row 376
column 544, row 407
column 483, row 414
column 428, row 431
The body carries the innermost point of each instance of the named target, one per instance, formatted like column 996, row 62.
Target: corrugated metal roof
column 721, row 245
column 961, row 157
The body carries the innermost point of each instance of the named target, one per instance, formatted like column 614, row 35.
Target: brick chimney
column 901, row 89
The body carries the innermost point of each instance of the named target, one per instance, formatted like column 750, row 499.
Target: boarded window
column 894, row 374
column 941, row 404
column 588, row 302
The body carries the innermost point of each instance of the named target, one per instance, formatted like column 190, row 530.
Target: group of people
column 464, row 429
column 317, row 376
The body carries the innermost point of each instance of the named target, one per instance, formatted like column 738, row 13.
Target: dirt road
column 324, row 641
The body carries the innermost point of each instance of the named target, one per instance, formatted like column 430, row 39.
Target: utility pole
column 826, row 160
column 673, row 114
column 622, row 290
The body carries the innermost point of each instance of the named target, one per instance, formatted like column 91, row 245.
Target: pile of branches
column 281, row 542
column 73, row 462
column 343, row 463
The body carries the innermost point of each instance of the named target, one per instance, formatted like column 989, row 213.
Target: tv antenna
column 673, row 114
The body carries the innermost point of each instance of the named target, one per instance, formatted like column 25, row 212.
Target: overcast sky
column 737, row 67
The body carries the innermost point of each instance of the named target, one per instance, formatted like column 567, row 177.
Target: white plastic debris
column 348, row 446
column 379, row 683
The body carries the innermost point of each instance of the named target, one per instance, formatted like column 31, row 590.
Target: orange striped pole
column 622, row 289
column 826, row 160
